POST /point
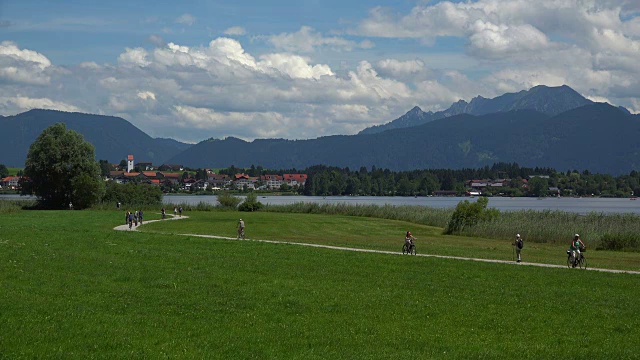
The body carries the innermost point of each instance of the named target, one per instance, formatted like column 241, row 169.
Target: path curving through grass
column 172, row 217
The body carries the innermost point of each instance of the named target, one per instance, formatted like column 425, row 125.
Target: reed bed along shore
column 415, row 214
column 559, row 227
column 611, row 231
column 13, row 205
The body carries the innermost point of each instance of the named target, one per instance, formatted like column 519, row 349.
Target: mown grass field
column 13, row 171
column 72, row 288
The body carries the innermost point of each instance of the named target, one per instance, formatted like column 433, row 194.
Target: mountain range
column 547, row 100
column 544, row 126
column 113, row 138
column 596, row 137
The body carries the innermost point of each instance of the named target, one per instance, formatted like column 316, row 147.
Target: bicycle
column 580, row 262
column 410, row 249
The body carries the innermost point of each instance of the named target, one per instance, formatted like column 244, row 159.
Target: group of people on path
column 132, row 218
column 575, row 247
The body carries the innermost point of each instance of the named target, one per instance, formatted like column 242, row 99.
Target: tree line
column 517, row 181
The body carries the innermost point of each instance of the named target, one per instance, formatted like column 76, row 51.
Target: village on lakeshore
column 175, row 177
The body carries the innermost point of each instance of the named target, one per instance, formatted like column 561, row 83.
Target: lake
column 577, row 205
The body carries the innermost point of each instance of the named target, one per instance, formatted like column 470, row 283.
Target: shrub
column 227, row 200
column 250, row 203
column 620, row 242
column 468, row 214
column 132, row 194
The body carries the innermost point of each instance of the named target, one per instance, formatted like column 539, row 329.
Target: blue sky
column 301, row 69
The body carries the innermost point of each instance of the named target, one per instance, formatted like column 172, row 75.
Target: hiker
column 240, row 229
column 135, row 217
column 164, row 213
column 180, row 210
column 518, row 244
column 140, row 216
column 130, row 220
column 175, row 211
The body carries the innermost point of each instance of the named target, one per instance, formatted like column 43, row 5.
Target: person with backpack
column 518, row 244
column 241, row 229
column 130, row 220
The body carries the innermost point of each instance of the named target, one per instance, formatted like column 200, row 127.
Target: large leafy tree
column 4, row 172
column 61, row 169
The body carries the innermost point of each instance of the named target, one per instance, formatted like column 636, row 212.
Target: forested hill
column 595, row 137
column 550, row 101
column 113, row 137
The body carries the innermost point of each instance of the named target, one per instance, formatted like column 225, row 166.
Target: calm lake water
column 577, row 205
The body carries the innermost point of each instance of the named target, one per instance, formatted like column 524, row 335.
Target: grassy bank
column 13, row 171
column 73, row 288
column 554, row 227
column 380, row 234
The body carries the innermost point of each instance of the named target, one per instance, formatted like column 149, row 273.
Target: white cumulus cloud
column 23, row 65
column 186, row 19
column 307, row 40
column 17, row 104
column 235, row 31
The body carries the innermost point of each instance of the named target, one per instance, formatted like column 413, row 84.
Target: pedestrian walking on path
column 518, row 244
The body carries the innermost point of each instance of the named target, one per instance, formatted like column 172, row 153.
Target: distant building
column 11, row 182
column 272, row 181
column 295, row 179
column 171, row 167
column 129, row 163
column 145, row 166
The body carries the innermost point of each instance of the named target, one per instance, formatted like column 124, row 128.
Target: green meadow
column 73, row 288
column 13, row 171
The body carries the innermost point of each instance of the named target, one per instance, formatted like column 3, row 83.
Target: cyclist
column 575, row 247
column 408, row 240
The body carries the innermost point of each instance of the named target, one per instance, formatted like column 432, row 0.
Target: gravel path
column 125, row 227
column 171, row 217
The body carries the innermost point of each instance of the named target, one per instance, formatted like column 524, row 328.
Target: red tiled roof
column 296, row 177
column 130, row 157
column 271, row 177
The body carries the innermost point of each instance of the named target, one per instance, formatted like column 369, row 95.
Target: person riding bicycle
column 576, row 247
column 408, row 240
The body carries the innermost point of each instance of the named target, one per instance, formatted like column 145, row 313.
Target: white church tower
column 130, row 163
